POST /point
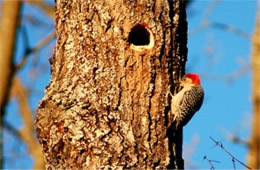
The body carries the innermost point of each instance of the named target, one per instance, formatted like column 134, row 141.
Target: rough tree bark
column 107, row 104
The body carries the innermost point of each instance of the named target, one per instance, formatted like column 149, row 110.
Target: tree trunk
column 107, row 104
column 254, row 143
column 10, row 15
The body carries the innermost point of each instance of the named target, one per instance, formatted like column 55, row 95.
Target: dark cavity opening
column 139, row 35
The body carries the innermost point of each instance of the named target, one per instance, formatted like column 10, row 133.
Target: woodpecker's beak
column 183, row 80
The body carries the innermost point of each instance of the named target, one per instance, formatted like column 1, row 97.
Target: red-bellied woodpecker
column 187, row 99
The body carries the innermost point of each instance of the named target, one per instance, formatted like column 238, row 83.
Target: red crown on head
column 194, row 77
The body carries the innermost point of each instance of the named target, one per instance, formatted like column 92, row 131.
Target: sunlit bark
column 107, row 105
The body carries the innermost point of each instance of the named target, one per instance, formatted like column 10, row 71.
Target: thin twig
column 25, row 37
column 210, row 162
column 232, row 156
column 229, row 28
column 37, row 22
column 221, row 26
column 205, row 23
column 209, row 10
column 234, row 163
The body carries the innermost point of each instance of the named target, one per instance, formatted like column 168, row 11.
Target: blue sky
column 214, row 53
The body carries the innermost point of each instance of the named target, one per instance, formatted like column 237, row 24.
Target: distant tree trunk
column 254, row 143
column 10, row 11
column 107, row 104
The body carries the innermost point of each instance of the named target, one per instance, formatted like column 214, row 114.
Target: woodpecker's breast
column 186, row 102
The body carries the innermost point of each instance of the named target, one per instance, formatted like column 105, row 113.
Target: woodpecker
column 187, row 99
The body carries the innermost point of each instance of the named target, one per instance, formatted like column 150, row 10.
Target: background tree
column 254, row 142
column 13, row 90
column 7, row 32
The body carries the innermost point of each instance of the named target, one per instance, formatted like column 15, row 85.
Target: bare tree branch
column 12, row 130
column 27, row 132
column 230, row 77
column 205, row 23
column 221, row 26
column 41, row 44
column 209, row 10
column 48, row 9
